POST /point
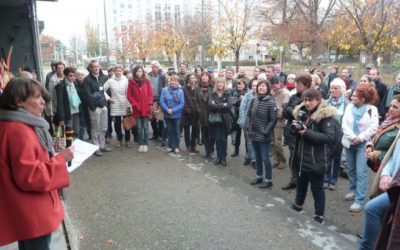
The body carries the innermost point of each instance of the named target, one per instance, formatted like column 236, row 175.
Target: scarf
column 358, row 112
column 389, row 121
column 392, row 90
column 339, row 104
column 40, row 125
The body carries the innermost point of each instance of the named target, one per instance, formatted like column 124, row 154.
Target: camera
column 298, row 123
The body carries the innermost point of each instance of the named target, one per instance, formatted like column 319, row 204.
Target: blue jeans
column 143, row 130
column 317, row 189
column 249, row 147
column 173, row 127
column 374, row 212
column 263, row 160
column 221, row 141
column 357, row 170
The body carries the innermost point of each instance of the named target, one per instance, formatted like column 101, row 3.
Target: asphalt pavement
column 160, row 200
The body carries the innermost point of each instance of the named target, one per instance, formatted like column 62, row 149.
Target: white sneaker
column 356, row 207
column 168, row 149
column 145, row 149
column 177, row 151
column 140, row 149
column 349, row 196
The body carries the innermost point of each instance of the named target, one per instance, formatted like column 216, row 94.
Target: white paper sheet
column 83, row 150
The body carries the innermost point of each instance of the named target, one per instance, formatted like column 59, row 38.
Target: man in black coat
column 93, row 83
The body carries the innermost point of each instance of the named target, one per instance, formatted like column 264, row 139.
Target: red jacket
column 141, row 98
column 29, row 179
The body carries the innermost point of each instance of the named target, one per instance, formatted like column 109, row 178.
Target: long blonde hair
column 218, row 80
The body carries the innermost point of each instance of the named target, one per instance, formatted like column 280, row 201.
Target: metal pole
column 202, row 34
column 106, row 33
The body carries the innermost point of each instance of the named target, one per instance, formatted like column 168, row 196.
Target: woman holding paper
column 30, row 173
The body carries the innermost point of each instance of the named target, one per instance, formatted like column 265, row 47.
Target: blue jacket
column 172, row 99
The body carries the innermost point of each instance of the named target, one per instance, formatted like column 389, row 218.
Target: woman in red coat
column 30, row 173
column 140, row 95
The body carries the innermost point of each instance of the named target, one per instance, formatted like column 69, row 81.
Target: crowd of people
column 331, row 124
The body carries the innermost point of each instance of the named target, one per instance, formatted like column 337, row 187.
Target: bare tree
column 235, row 25
column 299, row 21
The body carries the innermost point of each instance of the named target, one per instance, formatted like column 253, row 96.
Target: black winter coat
column 63, row 108
column 294, row 100
column 312, row 151
column 217, row 105
column 262, row 117
column 91, row 85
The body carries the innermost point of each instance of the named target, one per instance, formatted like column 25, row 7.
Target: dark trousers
column 221, row 141
column 155, row 126
column 109, row 123
column 39, row 243
column 84, row 123
column 208, row 139
column 190, row 136
column 238, row 133
column 118, row 129
column 317, row 189
column 292, row 165
column 333, row 171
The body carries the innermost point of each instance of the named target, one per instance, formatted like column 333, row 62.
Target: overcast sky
column 64, row 18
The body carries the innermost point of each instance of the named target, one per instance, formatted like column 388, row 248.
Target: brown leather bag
column 128, row 122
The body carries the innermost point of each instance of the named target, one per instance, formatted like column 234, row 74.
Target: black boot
column 236, row 152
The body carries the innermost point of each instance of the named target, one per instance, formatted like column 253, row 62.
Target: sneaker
column 140, row 149
column 145, row 149
column 257, row 180
column 356, row 207
column 247, row 162
column 319, row 219
column 266, row 184
column 98, row 153
column 105, row 149
column 332, row 187
column 326, row 185
column 119, row 144
column 296, row 208
column 168, row 149
column 176, row 151
column 349, row 196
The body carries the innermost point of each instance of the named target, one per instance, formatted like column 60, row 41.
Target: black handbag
column 214, row 118
column 98, row 98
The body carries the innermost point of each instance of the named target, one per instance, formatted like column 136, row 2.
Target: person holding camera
column 315, row 133
column 303, row 82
